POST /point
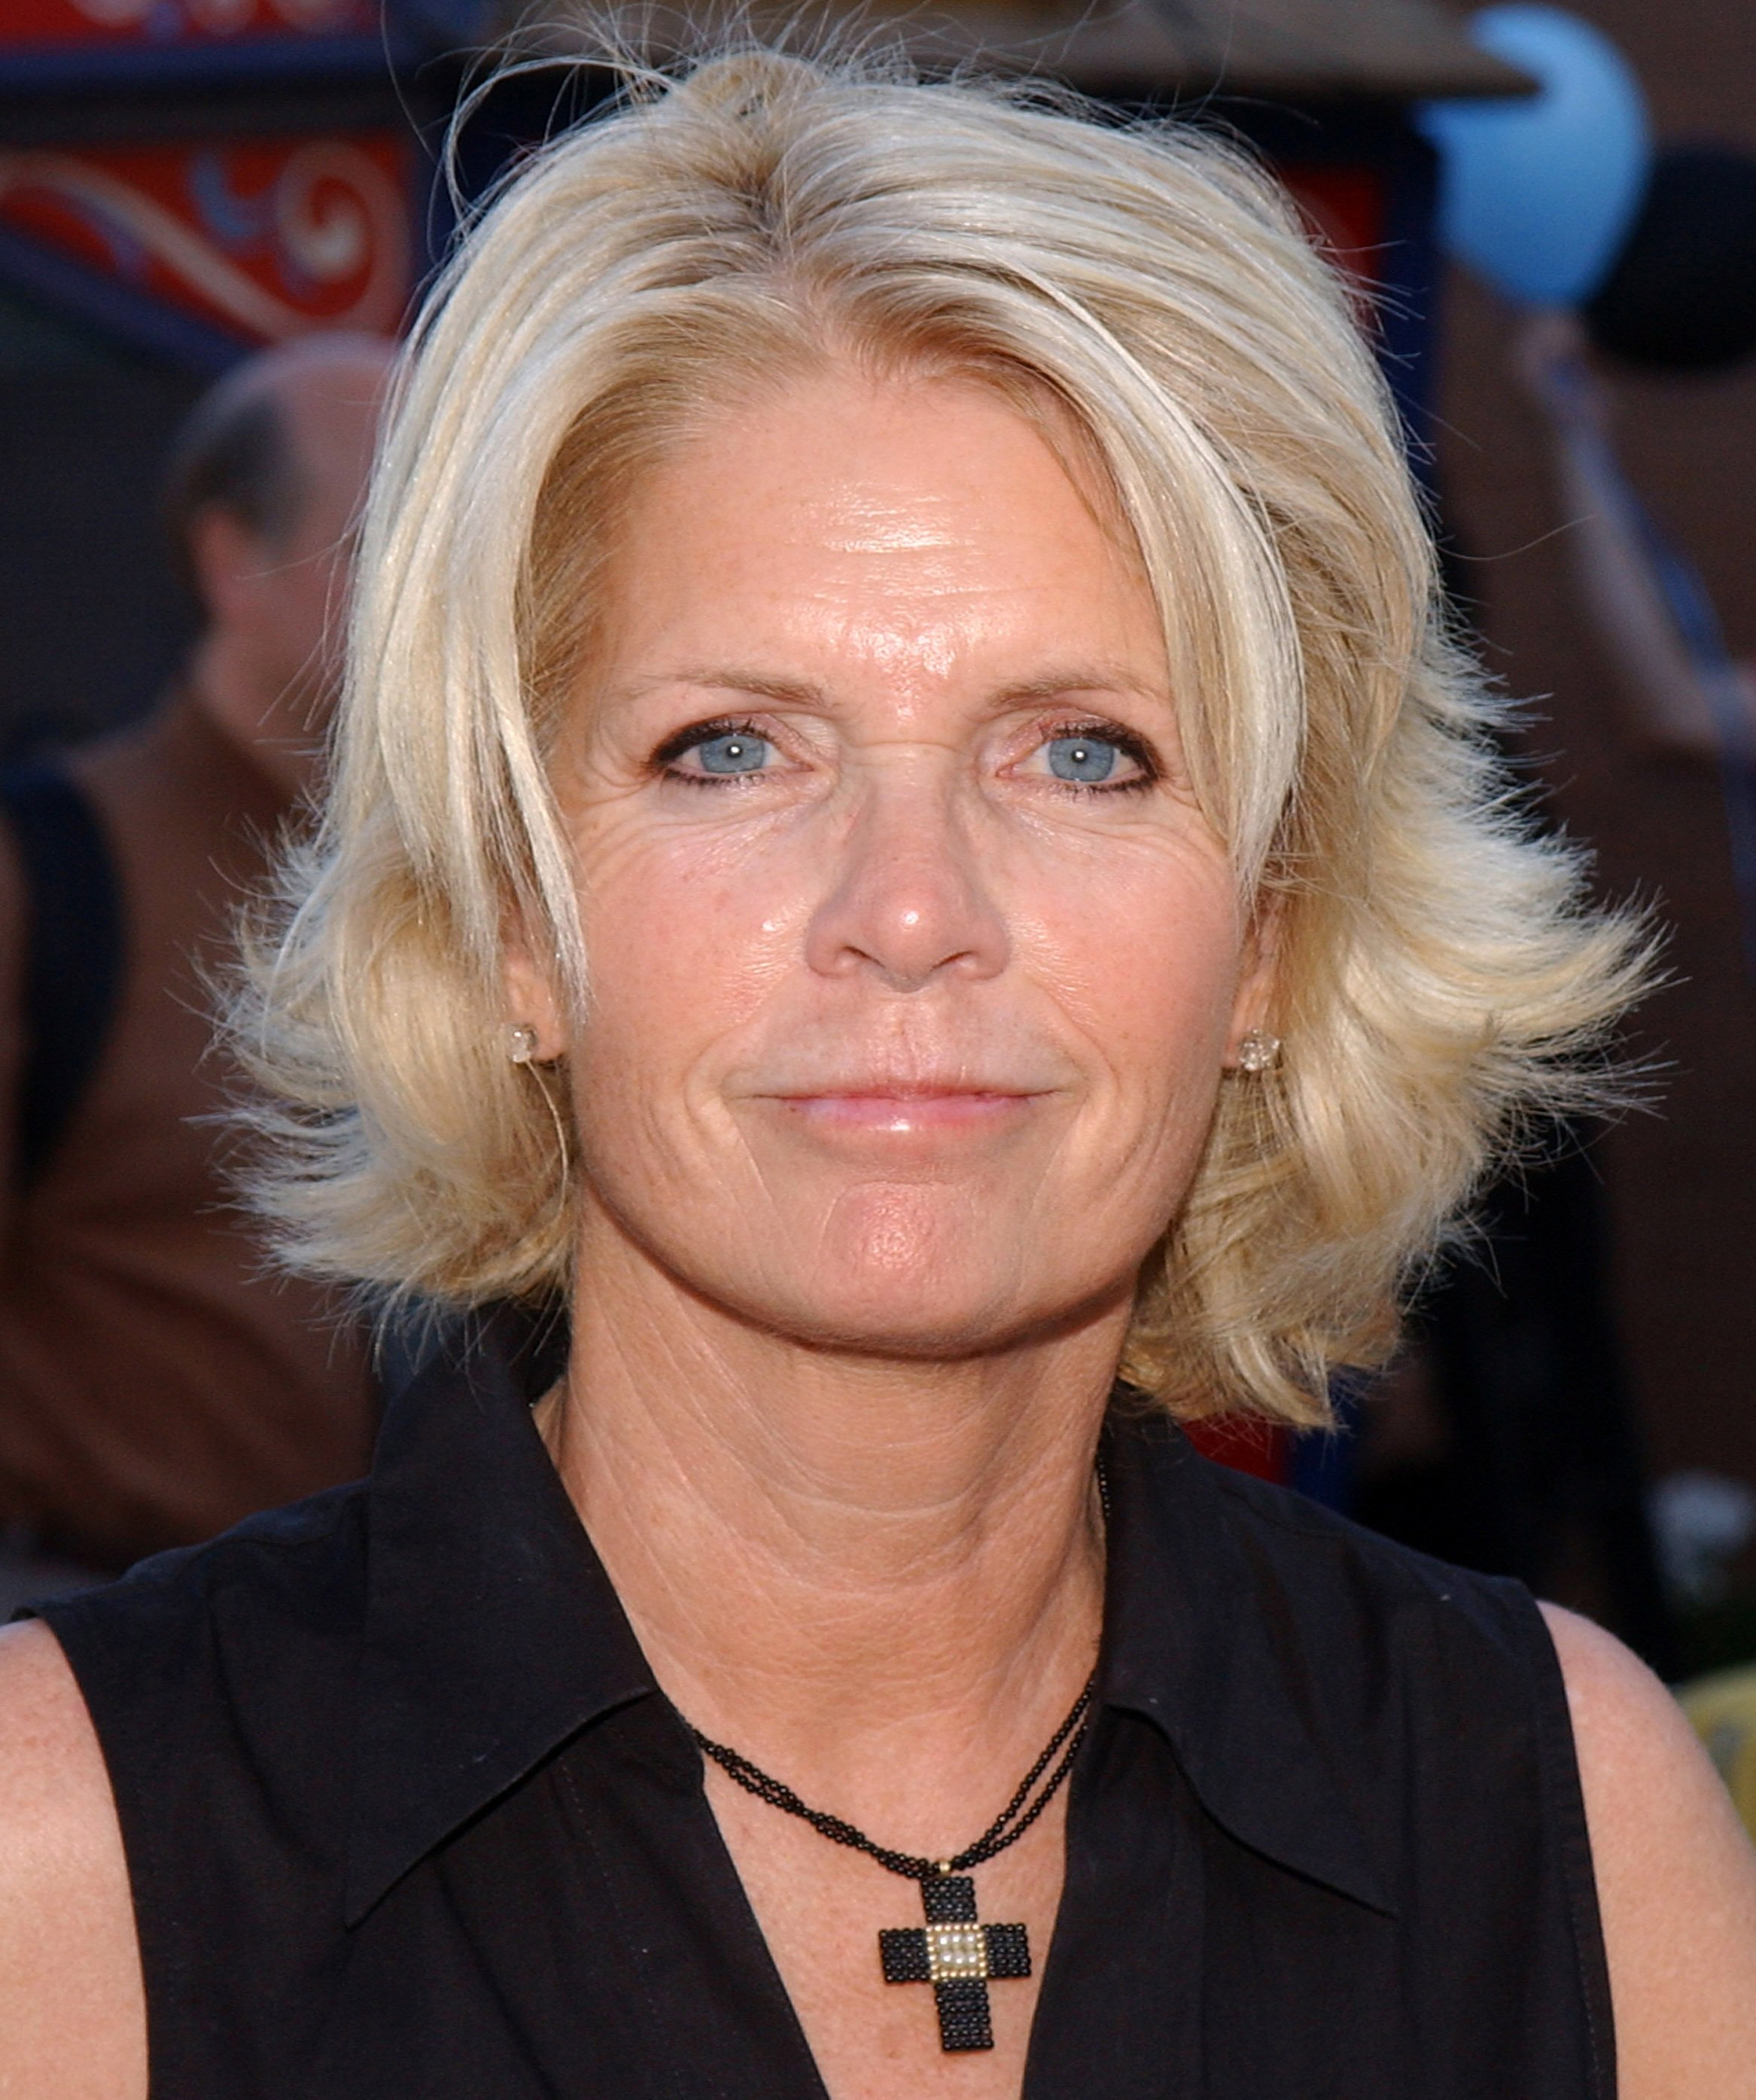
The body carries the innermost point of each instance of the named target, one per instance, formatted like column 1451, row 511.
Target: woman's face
column 913, row 964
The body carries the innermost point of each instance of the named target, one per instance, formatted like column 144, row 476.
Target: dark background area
column 1680, row 1182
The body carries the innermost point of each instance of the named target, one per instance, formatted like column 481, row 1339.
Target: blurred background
column 1552, row 217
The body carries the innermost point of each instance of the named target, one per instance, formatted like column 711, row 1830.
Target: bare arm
column 73, row 2014
column 1676, row 1878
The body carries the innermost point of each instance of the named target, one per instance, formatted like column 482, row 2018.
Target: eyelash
column 1131, row 745
column 1135, row 748
column 664, row 760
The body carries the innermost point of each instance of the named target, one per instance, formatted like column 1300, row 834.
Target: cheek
column 1143, row 948
column 682, row 944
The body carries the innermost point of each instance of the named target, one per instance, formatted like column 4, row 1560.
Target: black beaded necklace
column 953, row 1951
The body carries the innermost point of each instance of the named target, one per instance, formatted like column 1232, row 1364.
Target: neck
column 270, row 723
column 831, row 1559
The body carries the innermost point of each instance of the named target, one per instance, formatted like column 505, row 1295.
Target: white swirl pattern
column 337, row 213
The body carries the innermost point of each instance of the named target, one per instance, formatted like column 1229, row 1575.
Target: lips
column 904, row 1106
column 906, row 1090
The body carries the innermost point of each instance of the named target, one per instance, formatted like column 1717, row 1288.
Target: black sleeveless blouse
column 408, row 1819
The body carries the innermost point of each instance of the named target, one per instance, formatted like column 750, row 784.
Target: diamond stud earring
column 1259, row 1052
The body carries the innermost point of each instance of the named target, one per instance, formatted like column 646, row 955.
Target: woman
column 908, row 834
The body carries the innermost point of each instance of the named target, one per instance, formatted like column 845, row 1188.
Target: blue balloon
column 1537, row 193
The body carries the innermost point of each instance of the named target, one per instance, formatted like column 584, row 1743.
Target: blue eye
column 737, row 750
column 1083, row 760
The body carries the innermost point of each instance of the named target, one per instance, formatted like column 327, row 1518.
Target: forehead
column 872, row 515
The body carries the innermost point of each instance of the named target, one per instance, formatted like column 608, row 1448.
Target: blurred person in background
column 156, row 1385
column 1680, row 700
column 1506, row 1438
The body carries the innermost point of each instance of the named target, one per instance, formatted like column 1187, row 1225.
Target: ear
column 531, row 999
column 1258, row 976
column 227, row 561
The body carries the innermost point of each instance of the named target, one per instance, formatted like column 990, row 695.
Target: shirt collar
column 493, row 1635
column 1195, row 1640
column 492, row 1632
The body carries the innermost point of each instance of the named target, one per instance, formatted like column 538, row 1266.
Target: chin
column 915, row 1271
column 931, row 1313
column 951, row 1338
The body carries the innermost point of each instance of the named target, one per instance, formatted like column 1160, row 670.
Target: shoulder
column 267, row 1611
column 209, row 1672
column 111, row 767
column 168, row 1752
column 1676, row 1876
column 1420, row 1683
column 72, row 2009
column 173, row 759
column 1361, row 1587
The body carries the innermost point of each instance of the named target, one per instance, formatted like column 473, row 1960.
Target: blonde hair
column 1440, row 974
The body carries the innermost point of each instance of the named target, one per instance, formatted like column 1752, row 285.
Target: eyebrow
column 1082, row 678
column 802, row 693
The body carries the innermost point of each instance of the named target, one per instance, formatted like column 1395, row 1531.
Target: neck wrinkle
column 849, row 1572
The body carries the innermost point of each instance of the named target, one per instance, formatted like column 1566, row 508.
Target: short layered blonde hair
column 1441, row 979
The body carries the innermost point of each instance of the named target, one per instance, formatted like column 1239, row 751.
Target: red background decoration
column 160, row 22
column 268, row 237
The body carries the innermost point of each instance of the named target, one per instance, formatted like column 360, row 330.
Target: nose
column 906, row 900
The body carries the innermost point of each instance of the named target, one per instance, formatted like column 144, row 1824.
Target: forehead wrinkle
column 862, row 521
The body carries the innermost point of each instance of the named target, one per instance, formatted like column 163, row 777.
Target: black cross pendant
column 957, row 1956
